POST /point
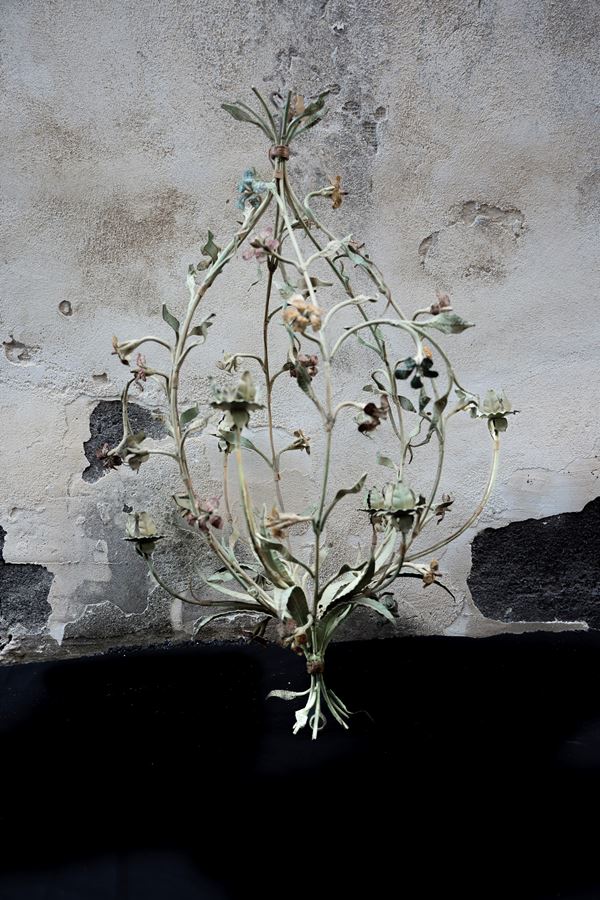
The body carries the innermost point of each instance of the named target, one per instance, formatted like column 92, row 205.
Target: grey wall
column 466, row 135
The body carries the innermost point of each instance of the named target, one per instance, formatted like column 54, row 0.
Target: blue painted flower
column 249, row 189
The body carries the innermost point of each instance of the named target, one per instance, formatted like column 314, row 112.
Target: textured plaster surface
column 466, row 135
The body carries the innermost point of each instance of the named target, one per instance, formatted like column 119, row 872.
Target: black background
column 164, row 773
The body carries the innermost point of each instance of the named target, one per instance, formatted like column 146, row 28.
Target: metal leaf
column 170, row 319
column 449, row 323
column 343, row 492
column 188, row 416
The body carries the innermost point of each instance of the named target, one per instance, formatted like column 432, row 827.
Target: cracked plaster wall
column 466, row 134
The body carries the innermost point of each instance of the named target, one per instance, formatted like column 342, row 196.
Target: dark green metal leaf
column 243, row 113
column 203, row 326
column 343, row 492
column 210, row 248
column 170, row 319
column 372, row 603
column 188, row 416
column 406, row 404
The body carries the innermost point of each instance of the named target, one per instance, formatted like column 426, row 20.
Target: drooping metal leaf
column 448, row 323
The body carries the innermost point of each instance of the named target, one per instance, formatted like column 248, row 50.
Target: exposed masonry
column 477, row 241
column 540, row 570
column 24, row 590
column 106, row 427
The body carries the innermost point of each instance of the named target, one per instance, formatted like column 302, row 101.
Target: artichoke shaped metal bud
column 494, row 407
column 141, row 529
column 396, row 503
column 237, row 403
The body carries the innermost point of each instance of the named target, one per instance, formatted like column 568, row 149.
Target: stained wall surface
column 466, row 136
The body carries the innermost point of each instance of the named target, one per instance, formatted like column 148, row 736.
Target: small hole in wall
column 65, row 308
column 380, row 112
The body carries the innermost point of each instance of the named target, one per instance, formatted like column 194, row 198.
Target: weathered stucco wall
column 466, row 135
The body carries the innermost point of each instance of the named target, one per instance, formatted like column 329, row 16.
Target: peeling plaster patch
column 103, row 621
column 128, row 586
column 540, row 570
column 24, row 590
column 478, row 241
column 20, row 354
column 106, row 427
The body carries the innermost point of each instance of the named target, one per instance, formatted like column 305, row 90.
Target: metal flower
column 141, row 529
column 300, row 313
column 443, row 304
column 395, row 503
column 250, row 189
column 372, row 415
column 236, row 402
column 419, row 369
column 494, row 407
column 260, row 245
column 308, row 363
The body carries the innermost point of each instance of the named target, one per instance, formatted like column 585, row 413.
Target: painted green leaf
column 384, row 460
column 312, row 114
column 188, row 416
column 210, row 248
column 449, row 323
column 364, row 343
column 315, row 105
column 303, row 378
column 343, row 492
column 170, row 319
column 356, row 258
column 292, row 601
column 346, row 586
column 372, row 603
column 243, row 113
column 423, row 400
column 406, row 404
column 286, row 290
column 331, row 621
column 203, row 326
column 238, row 113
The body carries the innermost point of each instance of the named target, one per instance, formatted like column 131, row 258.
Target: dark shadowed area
column 166, row 774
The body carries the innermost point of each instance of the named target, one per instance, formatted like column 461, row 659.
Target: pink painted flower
column 139, row 373
column 260, row 245
column 207, row 514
